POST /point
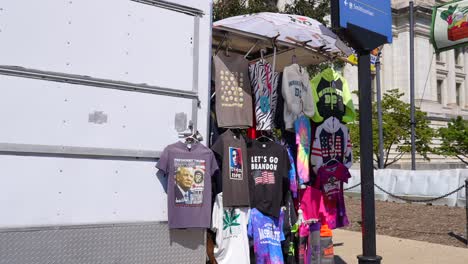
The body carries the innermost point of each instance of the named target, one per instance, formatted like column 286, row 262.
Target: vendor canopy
column 286, row 30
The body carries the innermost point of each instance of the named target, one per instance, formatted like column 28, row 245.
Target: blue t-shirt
column 267, row 234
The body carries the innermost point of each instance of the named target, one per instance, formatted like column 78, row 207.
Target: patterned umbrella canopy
column 288, row 28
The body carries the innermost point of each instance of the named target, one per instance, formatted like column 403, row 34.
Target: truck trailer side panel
column 90, row 92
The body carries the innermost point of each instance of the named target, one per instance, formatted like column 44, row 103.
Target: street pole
column 413, row 121
column 367, row 163
column 466, row 209
column 379, row 111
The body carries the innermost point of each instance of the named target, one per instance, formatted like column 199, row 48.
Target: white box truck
column 89, row 93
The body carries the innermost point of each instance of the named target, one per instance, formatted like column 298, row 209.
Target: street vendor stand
column 281, row 39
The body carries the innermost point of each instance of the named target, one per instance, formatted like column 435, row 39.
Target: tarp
column 450, row 25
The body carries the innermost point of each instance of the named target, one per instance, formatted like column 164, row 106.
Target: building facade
column 441, row 86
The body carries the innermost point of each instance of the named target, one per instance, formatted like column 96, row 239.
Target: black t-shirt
column 232, row 151
column 268, row 176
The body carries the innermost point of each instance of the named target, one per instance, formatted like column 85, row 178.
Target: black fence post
column 466, row 209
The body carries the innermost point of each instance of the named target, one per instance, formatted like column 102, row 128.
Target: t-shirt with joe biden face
column 189, row 173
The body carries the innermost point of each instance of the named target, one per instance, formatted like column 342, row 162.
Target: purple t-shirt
column 330, row 181
column 189, row 175
column 267, row 234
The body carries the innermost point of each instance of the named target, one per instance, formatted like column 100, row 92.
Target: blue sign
column 373, row 15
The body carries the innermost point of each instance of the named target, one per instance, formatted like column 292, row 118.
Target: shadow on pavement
column 339, row 260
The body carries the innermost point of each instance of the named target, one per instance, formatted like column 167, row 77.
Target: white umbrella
column 288, row 28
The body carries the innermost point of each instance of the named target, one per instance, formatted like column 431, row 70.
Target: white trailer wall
column 89, row 94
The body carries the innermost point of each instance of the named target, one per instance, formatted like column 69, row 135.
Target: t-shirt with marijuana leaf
column 230, row 225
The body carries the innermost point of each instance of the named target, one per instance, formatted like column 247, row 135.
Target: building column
column 451, row 100
column 464, row 91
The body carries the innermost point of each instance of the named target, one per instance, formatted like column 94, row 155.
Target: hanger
column 226, row 51
column 221, row 43
column 193, row 138
column 262, row 53
column 237, row 133
column 263, row 136
column 294, row 59
column 250, row 50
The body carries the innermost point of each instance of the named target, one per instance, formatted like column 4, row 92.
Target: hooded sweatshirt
column 331, row 140
column 332, row 97
column 297, row 94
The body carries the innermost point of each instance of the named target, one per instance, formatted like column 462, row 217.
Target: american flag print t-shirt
column 268, row 164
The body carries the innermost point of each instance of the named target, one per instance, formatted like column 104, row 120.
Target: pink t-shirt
column 330, row 180
column 312, row 204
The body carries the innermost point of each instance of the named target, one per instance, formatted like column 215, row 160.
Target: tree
column 396, row 130
column 228, row 8
column 316, row 9
column 454, row 139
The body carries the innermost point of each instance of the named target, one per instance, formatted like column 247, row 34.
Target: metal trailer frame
column 136, row 242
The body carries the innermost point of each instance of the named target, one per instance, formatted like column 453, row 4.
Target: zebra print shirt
column 264, row 85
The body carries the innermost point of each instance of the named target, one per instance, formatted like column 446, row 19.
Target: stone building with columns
column 441, row 84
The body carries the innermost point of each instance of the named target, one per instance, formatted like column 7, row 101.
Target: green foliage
column 396, row 129
column 228, row 8
column 454, row 139
column 316, row 9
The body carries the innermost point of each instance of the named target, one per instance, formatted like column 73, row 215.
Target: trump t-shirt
column 189, row 173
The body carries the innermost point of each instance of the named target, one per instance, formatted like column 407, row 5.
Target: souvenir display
column 278, row 189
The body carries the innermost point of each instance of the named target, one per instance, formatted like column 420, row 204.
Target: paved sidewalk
column 397, row 251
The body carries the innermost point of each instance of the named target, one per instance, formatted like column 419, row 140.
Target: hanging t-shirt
column 264, row 82
column 332, row 97
column 292, row 174
column 233, row 92
column 189, row 175
column 269, row 166
column 312, row 204
column 297, row 94
column 331, row 141
column 230, row 225
column 330, row 180
column 303, row 142
column 289, row 230
column 233, row 151
column 267, row 234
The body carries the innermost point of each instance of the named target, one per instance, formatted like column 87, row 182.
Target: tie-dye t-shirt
column 267, row 234
column 302, row 128
column 292, row 175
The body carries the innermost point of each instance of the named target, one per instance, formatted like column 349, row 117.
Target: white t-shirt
column 297, row 94
column 230, row 225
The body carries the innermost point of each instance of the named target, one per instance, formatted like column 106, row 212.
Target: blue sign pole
column 366, row 25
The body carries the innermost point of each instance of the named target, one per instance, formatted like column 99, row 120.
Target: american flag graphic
column 265, row 177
